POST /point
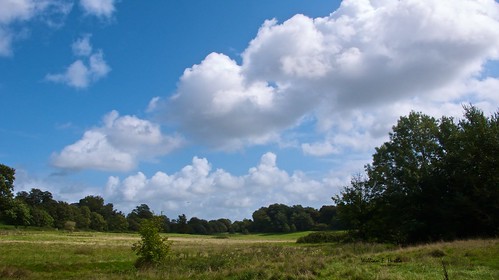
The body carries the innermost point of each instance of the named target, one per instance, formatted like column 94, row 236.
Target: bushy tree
column 433, row 179
column 40, row 218
column 7, row 177
column 140, row 213
column 18, row 214
column 152, row 249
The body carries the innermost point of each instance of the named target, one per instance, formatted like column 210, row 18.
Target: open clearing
column 89, row 255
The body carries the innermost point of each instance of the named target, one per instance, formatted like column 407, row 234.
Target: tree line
column 435, row 179
column 38, row 208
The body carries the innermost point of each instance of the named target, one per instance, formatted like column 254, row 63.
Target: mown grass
column 87, row 255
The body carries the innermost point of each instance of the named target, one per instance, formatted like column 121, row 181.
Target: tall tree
column 7, row 177
column 433, row 179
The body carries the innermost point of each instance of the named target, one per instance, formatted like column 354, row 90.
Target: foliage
column 433, row 180
column 324, row 237
column 283, row 218
column 7, row 177
column 140, row 213
column 18, row 214
column 70, row 226
column 40, row 218
column 152, row 249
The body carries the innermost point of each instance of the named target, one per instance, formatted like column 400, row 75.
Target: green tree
column 471, row 171
column 356, row 208
column 117, row 222
column 152, row 249
column 137, row 215
column 433, row 180
column 83, row 219
column 40, row 218
column 18, row 214
column 7, row 177
column 97, row 222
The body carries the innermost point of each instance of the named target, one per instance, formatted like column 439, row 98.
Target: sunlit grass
column 92, row 255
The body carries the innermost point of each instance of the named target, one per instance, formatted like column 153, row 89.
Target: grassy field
column 88, row 255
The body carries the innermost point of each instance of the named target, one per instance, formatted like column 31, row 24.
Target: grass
column 60, row 255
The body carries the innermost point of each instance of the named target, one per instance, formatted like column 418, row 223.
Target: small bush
column 323, row 237
column 70, row 226
column 152, row 249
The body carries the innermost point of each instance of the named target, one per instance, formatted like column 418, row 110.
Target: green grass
column 89, row 255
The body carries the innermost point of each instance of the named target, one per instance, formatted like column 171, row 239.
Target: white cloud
column 198, row 190
column 83, row 72
column 318, row 149
column 12, row 10
column 49, row 12
column 117, row 145
column 99, row 8
column 82, row 46
column 380, row 59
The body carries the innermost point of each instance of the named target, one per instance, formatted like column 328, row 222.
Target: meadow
column 29, row 254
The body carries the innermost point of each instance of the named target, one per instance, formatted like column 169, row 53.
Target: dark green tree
column 117, row 222
column 433, row 180
column 97, row 222
column 7, row 177
column 140, row 213
column 18, row 214
column 41, row 218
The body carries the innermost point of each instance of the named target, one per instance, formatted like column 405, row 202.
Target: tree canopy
column 434, row 179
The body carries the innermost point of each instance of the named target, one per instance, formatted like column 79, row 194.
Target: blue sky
column 216, row 108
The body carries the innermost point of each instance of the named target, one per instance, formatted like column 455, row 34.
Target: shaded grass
column 89, row 255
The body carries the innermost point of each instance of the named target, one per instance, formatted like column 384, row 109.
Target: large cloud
column 390, row 55
column 117, row 145
column 89, row 68
column 198, row 190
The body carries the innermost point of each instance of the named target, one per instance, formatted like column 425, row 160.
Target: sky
column 216, row 108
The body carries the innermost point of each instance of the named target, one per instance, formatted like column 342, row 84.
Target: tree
column 40, row 218
column 94, row 203
column 433, row 180
column 137, row 215
column 7, row 177
column 117, row 222
column 83, row 219
column 62, row 212
column 152, row 249
column 97, row 222
column 356, row 208
column 471, row 171
column 18, row 214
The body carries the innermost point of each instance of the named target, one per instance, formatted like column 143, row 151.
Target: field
column 87, row 255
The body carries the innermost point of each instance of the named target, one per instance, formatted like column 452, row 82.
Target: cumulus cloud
column 117, row 145
column 99, row 8
column 15, row 13
column 85, row 71
column 199, row 190
column 379, row 59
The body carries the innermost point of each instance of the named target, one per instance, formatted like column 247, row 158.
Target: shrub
column 70, row 226
column 323, row 237
column 152, row 249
